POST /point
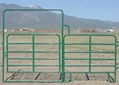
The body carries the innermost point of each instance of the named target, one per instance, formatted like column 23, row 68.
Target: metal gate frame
column 62, row 43
column 90, row 52
column 33, row 43
column 33, row 65
column 3, row 43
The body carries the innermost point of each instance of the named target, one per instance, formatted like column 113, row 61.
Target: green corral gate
column 69, row 54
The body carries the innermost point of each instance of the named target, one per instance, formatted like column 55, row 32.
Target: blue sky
column 91, row 9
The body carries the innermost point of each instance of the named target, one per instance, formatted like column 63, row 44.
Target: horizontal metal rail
column 89, row 52
column 34, row 51
column 43, row 43
column 66, row 65
column 58, row 59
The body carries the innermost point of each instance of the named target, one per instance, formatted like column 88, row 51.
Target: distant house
column 109, row 30
column 12, row 30
column 5, row 30
column 26, row 30
column 89, row 30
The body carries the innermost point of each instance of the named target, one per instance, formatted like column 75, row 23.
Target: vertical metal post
column 115, row 53
column 33, row 53
column 7, row 61
column 90, row 53
column 59, row 44
column 3, row 24
column 63, row 59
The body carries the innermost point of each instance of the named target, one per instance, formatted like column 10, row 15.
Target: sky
column 91, row 9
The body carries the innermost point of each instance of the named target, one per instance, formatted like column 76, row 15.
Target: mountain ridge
column 50, row 20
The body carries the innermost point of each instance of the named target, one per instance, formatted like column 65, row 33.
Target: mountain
column 44, row 20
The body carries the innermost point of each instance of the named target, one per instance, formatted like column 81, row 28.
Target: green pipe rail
column 61, row 58
column 68, row 28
